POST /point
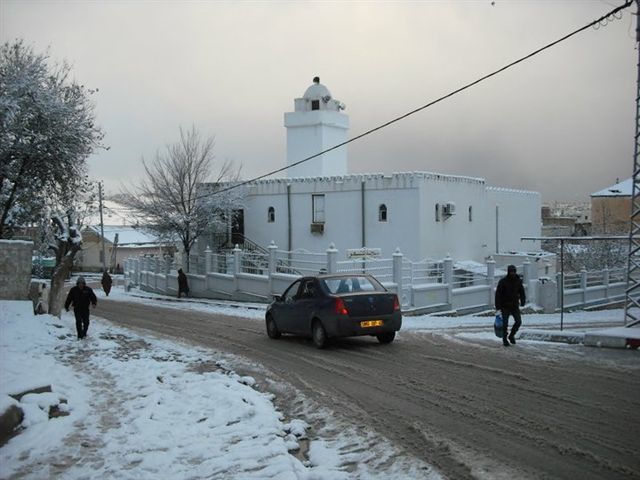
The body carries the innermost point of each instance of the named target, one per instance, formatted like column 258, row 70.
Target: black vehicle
column 327, row 306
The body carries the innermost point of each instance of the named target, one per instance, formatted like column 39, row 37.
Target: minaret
column 316, row 124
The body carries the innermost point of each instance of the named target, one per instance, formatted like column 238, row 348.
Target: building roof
column 620, row 189
column 127, row 235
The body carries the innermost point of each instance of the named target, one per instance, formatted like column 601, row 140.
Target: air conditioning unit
column 317, row 228
column 449, row 209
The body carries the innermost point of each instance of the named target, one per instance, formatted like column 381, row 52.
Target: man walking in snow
column 183, row 284
column 106, row 282
column 509, row 297
column 81, row 296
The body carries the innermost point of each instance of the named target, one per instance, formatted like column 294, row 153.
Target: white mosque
column 425, row 214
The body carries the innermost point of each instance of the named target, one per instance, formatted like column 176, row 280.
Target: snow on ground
column 143, row 407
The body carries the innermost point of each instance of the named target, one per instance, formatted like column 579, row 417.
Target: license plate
column 371, row 323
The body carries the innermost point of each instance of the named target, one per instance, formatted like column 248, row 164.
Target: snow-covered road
column 143, row 407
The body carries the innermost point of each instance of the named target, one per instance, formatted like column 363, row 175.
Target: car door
column 304, row 305
column 283, row 311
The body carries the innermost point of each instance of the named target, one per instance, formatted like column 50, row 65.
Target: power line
column 598, row 22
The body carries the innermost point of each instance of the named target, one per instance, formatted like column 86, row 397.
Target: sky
column 561, row 123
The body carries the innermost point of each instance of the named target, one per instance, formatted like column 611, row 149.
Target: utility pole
column 632, row 300
column 104, row 259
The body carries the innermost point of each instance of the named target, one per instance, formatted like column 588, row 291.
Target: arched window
column 271, row 215
column 382, row 213
column 437, row 212
column 470, row 213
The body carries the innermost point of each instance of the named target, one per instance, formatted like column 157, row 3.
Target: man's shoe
column 512, row 339
column 505, row 343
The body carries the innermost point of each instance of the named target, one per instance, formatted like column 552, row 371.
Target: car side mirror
column 277, row 298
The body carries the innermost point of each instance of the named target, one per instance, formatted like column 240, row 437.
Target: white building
column 426, row 215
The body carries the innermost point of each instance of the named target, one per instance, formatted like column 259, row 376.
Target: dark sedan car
column 327, row 306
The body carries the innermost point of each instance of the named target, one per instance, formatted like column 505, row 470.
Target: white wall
column 519, row 216
column 312, row 132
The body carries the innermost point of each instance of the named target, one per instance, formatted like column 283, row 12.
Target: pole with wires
column 632, row 300
column 104, row 258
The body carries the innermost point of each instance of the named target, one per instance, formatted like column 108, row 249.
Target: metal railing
column 300, row 262
column 382, row 268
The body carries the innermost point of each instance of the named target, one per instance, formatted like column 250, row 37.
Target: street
column 473, row 409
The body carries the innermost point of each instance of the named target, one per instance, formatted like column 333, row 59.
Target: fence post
column 605, row 281
column 332, row 258
column 208, row 256
column 583, row 285
column 237, row 265
column 167, row 264
column 156, row 272
column 447, row 277
column 560, row 286
column 273, row 249
column 136, row 273
column 397, row 273
column 526, row 272
column 491, row 275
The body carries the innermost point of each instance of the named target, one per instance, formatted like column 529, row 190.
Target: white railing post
column 583, row 285
column 237, row 265
column 332, row 258
column 491, row 275
column 560, row 284
column 167, row 264
column 605, row 281
column 208, row 256
column 156, row 272
column 447, row 277
column 136, row 275
column 273, row 249
column 526, row 272
column 397, row 273
column 214, row 263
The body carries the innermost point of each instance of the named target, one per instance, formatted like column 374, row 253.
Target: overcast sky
column 561, row 123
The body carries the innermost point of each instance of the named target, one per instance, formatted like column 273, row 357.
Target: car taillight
column 341, row 308
column 396, row 303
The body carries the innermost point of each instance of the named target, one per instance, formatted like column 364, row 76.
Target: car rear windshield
column 352, row 285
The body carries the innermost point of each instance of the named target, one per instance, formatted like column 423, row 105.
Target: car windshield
column 352, row 285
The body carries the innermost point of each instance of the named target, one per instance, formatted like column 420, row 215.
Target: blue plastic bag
column 497, row 325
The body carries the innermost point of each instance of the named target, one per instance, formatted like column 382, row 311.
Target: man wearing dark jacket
column 509, row 297
column 81, row 296
column 183, row 284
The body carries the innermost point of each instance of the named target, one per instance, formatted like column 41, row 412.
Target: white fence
column 422, row 286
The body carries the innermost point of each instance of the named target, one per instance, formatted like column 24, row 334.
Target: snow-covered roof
column 113, row 213
column 127, row 235
column 620, row 189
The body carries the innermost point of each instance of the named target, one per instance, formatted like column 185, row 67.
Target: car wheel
column 386, row 337
column 319, row 334
column 272, row 328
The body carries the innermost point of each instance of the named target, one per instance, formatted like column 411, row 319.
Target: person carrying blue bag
column 509, row 297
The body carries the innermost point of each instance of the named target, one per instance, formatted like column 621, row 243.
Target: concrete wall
column 610, row 214
column 15, row 269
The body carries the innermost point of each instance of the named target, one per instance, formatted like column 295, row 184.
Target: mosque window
column 382, row 213
column 315, row 104
column 437, row 212
column 317, row 202
column 470, row 213
column 271, row 215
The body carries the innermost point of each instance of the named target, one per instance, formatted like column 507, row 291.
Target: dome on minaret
column 317, row 91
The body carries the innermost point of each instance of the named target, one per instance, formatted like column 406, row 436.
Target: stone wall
column 15, row 269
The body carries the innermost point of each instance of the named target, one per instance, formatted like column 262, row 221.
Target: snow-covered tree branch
column 47, row 130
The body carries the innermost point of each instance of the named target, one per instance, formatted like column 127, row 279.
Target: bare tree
column 168, row 201
column 67, row 243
